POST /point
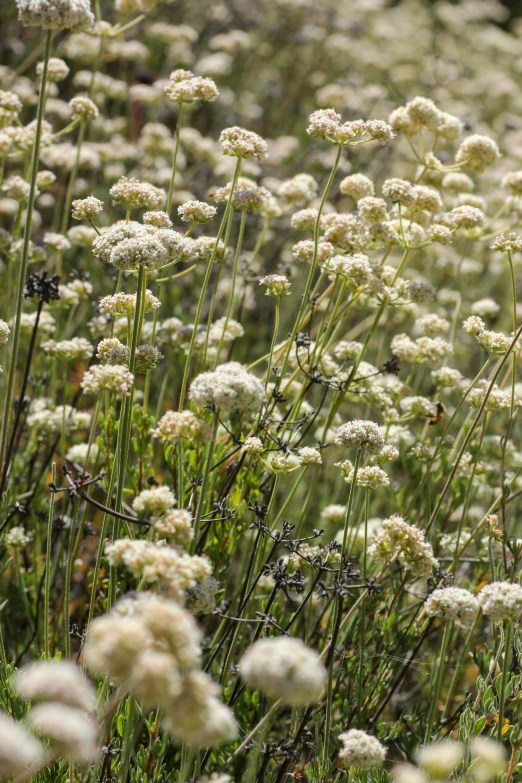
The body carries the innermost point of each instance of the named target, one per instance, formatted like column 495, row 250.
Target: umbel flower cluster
column 260, row 342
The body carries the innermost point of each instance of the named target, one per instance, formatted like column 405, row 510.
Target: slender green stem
column 471, row 430
column 349, row 507
column 458, row 665
column 308, row 285
column 175, row 160
column 205, row 285
column 25, row 250
column 508, row 641
column 128, row 740
column 70, row 189
column 233, row 286
column 330, row 666
column 206, row 475
column 273, row 344
column 435, row 691
column 362, row 615
column 126, row 419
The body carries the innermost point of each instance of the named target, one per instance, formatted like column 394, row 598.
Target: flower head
column 242, row 143
column 284, row 668
column 56, row 14
column 361, row 435
column 361, row 749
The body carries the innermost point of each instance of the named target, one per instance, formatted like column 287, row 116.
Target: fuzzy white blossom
column 19, row 750
column 283, row 667
column 361, row 749
column 501, row 601
column 361, row 435
column 452, row 603
column 154, row 501
column 56, row 14
column 230, row 386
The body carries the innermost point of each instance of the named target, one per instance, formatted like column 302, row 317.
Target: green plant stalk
column 273, row 343
column 362, row 613
column 205, row 285
column 234, row 277
column 471, row 430
column 204, row 485
column 126, row 421
column 70, row 189
column 508, row 641
column 338, row 612
column 215, row 285
column 447, row 428
column 180, row 487
column 468, row 493
column 330, row 666
column 288, row 499
column 128, row 741
column 308, row 285
column 448, row 628
column 337, row 402
column 25, row 251
column 67, row 583
column 351, row 496
column 456, row 674
column 175, row 159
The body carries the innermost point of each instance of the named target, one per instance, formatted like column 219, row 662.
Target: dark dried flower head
column 42, row 287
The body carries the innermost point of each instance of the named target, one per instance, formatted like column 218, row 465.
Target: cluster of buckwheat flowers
column 260, row 445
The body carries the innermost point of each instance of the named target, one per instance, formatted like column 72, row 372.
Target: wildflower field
column 261, row 351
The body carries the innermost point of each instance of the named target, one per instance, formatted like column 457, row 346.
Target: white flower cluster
column 65, row 699
column 501, row 601
column 175, row 523
column 369, row 477
column 430, row 350
column 125, row 304
column 498, row 398
column 48, row 419
column 361, row 749
column 276, row 285
column 361, row 435
column 181, row 425
column 17, row 537
column 56, row 14
column 326, row 123
column 19, row 750
column 82, row 455
column 421, row 113
column 112, row 378
column 230, row 387
column 407, row 542
column 128, row 245
column 283, row 668
column 196, row 212
column 4, row 332
column 153, row 647
column 154, row 501
column 298, row 190
column 185, row 87
column 112, row 351
column 68, row 350
column 10, row 107
column 157, row 563
column 252, row 445
column 134, row 193
column 242, row 143
column 452, row 603
column 86, row 208
column 83, row 108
